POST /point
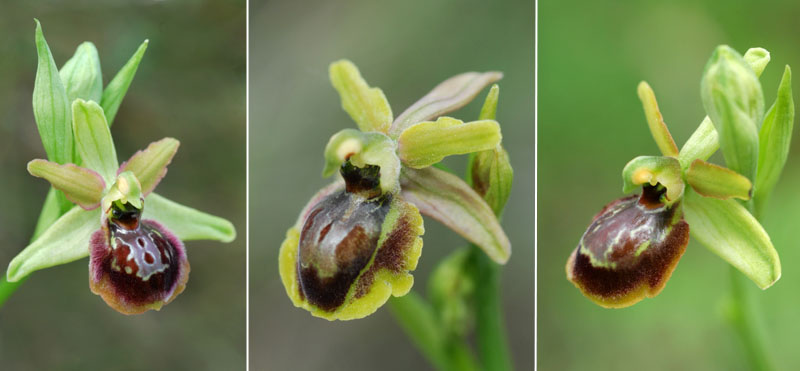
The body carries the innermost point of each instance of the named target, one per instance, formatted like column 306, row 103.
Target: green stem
column 489, row 323
column 744, row 323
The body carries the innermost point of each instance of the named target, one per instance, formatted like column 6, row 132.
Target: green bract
column 633, row 245
column 116, row 203
column 357, row 240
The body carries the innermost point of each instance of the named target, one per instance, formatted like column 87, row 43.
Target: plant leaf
column 427, row 143
column 726, row 228
column 187, row 223
column 81, row 74
column 93, row 139
column 116, row 89
column 367, row 106
column 65, row 241
column 775, row 138
column 655, row 121
column 711, row 180
column 81, row 186
column 150, row 164
column 733, row 100
column 448, row 96
column 446, row 198
column 50, row 105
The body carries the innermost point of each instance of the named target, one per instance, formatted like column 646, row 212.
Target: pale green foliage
column 93, row 139
column 116, row 89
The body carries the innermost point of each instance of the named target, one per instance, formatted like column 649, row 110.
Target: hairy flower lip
column 146, row 282
column 630, row 250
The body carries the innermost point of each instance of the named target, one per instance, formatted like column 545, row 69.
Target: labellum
column 352, row 248
column 630, row 249
column 136, row 265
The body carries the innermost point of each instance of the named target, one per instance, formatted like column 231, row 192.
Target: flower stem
column 744, row 322
column 490, row 326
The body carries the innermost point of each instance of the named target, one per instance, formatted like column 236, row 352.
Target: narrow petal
column 51, row 108
column 658, row 128
column 116, row 89
column 150, row 165
column 630, row 250
column 716, row 181
column 81, row 186
column 65, row 241
column 446, row 198
column 427, row 143
column 93, row 139
column 727, row 228
column 448, row 96
column 367, row 106
column 187, row 223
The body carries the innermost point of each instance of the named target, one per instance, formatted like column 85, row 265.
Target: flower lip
column 337, row 240
column 629, row 250
column 136, row 264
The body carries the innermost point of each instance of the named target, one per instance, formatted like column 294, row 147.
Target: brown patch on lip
column 390, row 254
column 620, row 277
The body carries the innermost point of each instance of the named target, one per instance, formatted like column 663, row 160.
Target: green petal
column 81, row 186
column 65, row 241
column 711, row 180
column 187, row 223
column 448, row 96
column 427, row 143
column 367, row 106
column 93, row 139
column 733, row 100
column 50, row 105
column 654, row 170
column 150, row 165
column 774, row 140
column 655, row 121
column 81, row 74
column 446, row 198
column 116, row 89
column 726, row 228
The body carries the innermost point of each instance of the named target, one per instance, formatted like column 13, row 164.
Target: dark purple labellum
column 136, row 264
column 337, row 241
column 630, row 250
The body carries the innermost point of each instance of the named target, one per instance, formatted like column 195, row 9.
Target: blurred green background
column 590, row 123
column 405, row 48
column 191, row 86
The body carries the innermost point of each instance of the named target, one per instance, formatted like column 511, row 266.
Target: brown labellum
column 136, row 264
column 629, row 250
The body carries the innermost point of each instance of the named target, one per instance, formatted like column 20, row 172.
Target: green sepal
column 363, row 149
column 658, row 128
column 125, row 190
column 367, row 106
column 427, row 143
column 187, row 223
column 775, row 138
column 51, row 108
column 701, row 145
column 448, row 199
column 711, row 180
column 81, row 74
column 65, row 241
column 757, row 59
column 80, row 185
column 654, row 170
column 116, row 89
column 733, row 99
column 448, row 96
column 150, row 164
column 726, row 228
column 93, row 139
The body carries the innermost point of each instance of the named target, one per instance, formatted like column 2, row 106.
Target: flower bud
column 136, row 265
column 630, row 249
